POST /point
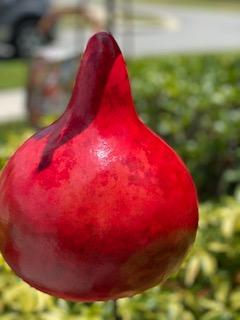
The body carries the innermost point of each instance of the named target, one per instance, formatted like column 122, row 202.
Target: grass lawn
column 13, row 74
column 211, row 4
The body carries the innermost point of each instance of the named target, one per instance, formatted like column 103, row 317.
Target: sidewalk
column 12, row 105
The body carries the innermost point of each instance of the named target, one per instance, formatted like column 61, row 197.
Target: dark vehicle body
column 19, row 24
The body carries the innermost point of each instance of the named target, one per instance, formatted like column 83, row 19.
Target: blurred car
column 19, row 25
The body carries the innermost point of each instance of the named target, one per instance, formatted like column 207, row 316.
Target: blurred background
column 184, row 63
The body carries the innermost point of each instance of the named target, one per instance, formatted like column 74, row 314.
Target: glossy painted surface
column 96, row 206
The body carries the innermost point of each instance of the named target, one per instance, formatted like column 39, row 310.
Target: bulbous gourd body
column 96, row 206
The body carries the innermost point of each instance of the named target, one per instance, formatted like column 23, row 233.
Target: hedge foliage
column 193, row 102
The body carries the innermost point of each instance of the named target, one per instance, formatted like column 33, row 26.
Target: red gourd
column 96, row 206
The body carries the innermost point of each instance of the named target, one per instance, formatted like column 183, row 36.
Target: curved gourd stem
column 102, row 77
column 102, row 85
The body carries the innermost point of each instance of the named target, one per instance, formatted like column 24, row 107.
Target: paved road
column 196, row 30
column 183, row 30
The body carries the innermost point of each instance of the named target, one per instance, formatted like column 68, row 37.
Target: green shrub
column 11, row 136
column 193, row 102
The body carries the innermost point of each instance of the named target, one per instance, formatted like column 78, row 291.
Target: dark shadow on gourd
column 96, row 65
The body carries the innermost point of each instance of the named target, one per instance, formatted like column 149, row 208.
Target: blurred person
column 45, row 84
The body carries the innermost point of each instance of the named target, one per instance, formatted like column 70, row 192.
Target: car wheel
column 27, row 38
